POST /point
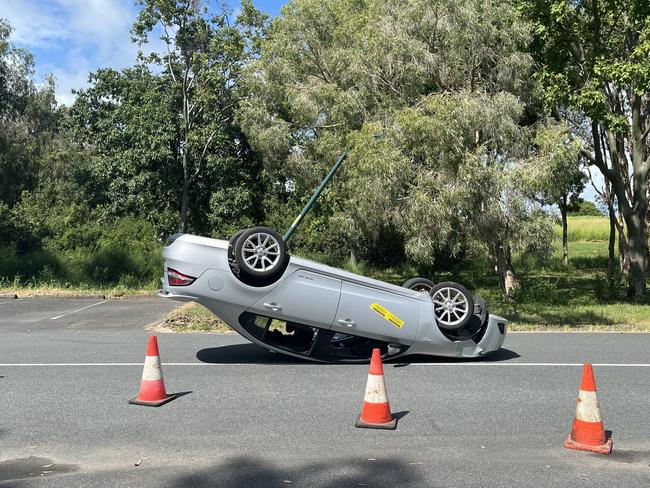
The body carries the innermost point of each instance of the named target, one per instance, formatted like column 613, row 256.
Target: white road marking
column 599, row 365
column 485, row 363
column 75, row 311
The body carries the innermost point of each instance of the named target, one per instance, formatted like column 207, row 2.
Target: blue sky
column 71, row 38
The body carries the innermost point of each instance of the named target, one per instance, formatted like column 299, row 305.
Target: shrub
column 125, row 252
column 584, row 207
column 539, row 290
column 609, row 287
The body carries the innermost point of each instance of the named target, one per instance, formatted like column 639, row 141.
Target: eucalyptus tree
column 28, row 120
column 28, row 115
column 594, row 65
column 163, row 130
column 203, row 58
column 555, row 173
column 443, row 81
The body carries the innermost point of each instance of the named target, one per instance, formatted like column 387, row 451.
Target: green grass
column 619, row 317
column 35, row 288
column 585, row 228
column 192, row 317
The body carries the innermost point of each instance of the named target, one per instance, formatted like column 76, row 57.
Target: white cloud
column 72, row 38
column 34, row 25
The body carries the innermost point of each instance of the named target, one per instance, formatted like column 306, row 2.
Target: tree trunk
column 611, row 260
column 637, row 243
column 185, row 201
column 629, row 182
column 353, row 258
column 507, row 279
column 623, row 253
column 565, row 239
column 647, row 230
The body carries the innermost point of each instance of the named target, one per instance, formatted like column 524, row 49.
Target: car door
column 304, row 297
column 379, row 314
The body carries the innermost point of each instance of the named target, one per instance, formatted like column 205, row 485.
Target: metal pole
column 313, row 198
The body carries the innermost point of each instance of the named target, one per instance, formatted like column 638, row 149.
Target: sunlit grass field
column 585, row 228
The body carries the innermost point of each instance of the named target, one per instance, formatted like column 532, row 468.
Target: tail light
column 176, row 278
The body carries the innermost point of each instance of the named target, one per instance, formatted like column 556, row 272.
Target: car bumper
column 492, row 340
column 175, row 296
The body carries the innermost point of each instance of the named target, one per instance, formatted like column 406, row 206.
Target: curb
column 62, row 296
column 12, row 296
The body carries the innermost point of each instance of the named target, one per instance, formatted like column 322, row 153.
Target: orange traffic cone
column 375, row 413
column 588, row 433
column 152, row 388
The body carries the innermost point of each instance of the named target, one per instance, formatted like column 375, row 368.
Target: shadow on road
column 245, row 354
column 247, row 472
column 500, row 355
column 254, row 354
column 32, row 467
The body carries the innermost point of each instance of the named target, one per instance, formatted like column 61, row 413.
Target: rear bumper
column 176, row 296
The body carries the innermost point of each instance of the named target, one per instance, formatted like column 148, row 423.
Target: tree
column 582, row 207
column 163, row 131
column 615, row 225
column 443, row 82
column 203, row 59
column 555, row 174
column 28, row 116
column 594, row 65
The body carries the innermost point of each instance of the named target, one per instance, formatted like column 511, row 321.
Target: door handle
column 275, row 307
column 348, row 322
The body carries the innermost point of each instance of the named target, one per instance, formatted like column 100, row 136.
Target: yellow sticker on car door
column 391, row 317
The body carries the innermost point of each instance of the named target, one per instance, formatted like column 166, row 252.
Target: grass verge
column 614, row 317
column 57, row 290
column 192, row 317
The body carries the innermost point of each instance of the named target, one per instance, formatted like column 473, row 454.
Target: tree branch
column 205, row 150
column 169, row 53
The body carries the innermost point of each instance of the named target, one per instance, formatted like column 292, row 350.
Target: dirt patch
column 191, row 317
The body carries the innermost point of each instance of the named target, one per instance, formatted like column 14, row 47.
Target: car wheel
column 453, row 305
column 419, row 284
column 231, row 244
column 260, row 252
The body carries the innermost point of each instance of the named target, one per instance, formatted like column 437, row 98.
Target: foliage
column 461, row 120
column 609, row 287
column 554, row 173
column 27, row 118
column 581, row 207
column 443, row 84
column 594, row 73
column 165, row 146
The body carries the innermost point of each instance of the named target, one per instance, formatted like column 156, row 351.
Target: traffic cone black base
column 369, row 425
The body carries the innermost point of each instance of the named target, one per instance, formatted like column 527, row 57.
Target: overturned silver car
column 306, row 309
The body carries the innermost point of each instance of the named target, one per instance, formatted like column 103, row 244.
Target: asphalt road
column 252, row 418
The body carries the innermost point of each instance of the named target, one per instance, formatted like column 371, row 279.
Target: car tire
column 419, row 284
column 480, row 308
column 453, row 305
column 260, row 252
column 231, row 244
